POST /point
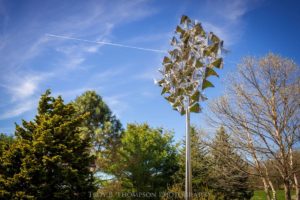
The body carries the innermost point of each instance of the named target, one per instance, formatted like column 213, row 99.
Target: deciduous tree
column 148, row 159
column 262, row 110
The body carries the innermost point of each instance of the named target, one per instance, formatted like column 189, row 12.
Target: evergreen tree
column 200, row 162
column 229, row 177
column 201, row 165
column 49, row 159
column 102, row 126
column 5, row 142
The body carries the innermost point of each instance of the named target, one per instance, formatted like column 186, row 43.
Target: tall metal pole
column 181, row 81
column 188, row 168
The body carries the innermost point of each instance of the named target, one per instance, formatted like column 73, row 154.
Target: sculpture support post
column 188, row 168
column 185, row 73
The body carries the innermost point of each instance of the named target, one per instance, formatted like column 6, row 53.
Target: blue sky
column 31, row 61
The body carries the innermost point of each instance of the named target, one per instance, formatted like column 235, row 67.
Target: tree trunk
column 297, row 187
column 266, row 188
column 287, row 190
column 273, row 191
column 270, row 183
column 265, row 178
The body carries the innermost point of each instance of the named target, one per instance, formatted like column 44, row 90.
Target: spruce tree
column 200, row 163
column 228, row 174
column 201, row 166
column 49, row 159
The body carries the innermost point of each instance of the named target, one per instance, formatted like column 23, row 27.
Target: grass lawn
column 260, row 195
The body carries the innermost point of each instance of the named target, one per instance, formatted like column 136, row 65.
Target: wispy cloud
column 223, row 31
column 22, row 90
column 227, row 20
column 23, row 47
column 18, row 109
column 117, row 104
column 232, row 11
column 148, row 75
column 108, row 74
column 73, row 93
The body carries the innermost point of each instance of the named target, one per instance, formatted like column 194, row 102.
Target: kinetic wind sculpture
column 185, row 75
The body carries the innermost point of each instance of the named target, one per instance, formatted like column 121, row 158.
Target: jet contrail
column 106, row 43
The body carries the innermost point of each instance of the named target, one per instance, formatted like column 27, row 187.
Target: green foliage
column 148, row 159
column 200, row 163
column 228, row 173
column 188, row 66
column 213, row 176
column 102, row 126
column 48, row 159
column 201, row 166
column 5, row 142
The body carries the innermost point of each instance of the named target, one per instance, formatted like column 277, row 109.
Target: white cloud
column 223, row 32
column 96, row 21
column 92, row 49
column 148, row 94
column 72, row 94
column 108, row 74
column 236, row 9
column 227, row 21
column 22, row 91
column 25, row 88
column 148, row 75
column 18, row 109
column 21, row 86
column 74, row 62
column 117, row 104
column 232, row 10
